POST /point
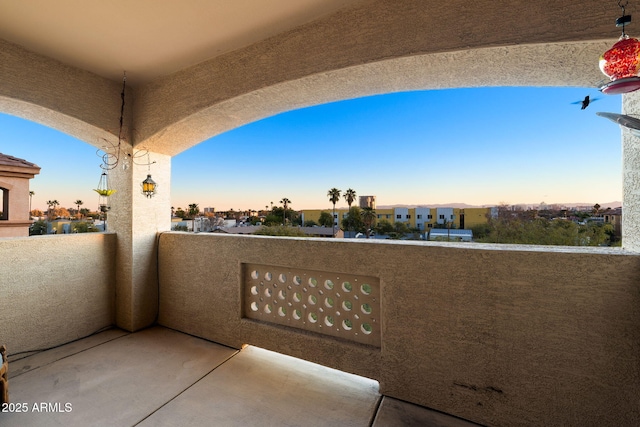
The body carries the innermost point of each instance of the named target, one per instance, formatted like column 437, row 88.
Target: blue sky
column 478, row 146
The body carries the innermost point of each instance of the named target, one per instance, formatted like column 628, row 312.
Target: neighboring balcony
column 494, row 334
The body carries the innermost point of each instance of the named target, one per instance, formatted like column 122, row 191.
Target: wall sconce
column 621, row 63
column 149, row 187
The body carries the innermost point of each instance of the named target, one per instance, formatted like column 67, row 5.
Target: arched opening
column 69, row 169
column 518, row 146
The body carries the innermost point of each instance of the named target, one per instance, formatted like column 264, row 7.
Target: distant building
column 421, row 218
column 614, row 217
column 442, row 234
column 367, row 202
column 14, row 195
column 322, row 232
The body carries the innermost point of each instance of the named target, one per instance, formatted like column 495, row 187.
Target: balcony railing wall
column 501, row 335
column 55, row 289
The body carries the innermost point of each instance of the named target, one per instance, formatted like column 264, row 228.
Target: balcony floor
column 160, row 377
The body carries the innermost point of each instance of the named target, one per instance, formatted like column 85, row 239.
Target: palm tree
column 31, row 193
column 52, row 205
column 78, row 203
column 285, row 203
column 194, row 210
column 369, row 218
column 334, row 197
column 350, row 196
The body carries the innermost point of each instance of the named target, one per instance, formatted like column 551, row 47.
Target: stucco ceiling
column 149, row 38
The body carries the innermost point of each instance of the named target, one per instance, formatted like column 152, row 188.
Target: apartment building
column 422, row 218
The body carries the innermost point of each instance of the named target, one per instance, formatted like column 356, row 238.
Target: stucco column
column 137, row 220
column 631, row 178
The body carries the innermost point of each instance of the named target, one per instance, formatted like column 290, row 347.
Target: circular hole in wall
column 365, row 288
column 347, row 287
column 282, row 278
column 347, row 325
column 366, row 328
column 366, row 308
column 255, row 274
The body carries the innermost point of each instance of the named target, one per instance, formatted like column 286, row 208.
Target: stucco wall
column 18, row 222
column 501, row 335
column 54, row 289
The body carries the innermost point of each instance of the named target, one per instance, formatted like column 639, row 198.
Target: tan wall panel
column 54, row 289
column 501, row 335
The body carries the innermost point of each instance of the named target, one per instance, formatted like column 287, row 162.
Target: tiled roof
column 7, row 160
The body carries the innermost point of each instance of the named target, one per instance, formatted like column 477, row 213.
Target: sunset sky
column 480, row 146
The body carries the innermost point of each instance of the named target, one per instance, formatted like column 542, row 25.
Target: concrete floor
column 160, row 377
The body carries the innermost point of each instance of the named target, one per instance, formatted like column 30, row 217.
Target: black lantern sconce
column 149, row 187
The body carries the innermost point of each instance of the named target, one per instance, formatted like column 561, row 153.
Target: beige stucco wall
column 137, row 221
column 501, row 335
column 14, row 180
column 18, row 188
column 54, row 289
column 18, row 223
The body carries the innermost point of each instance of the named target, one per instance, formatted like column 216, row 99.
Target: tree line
column 546, row 227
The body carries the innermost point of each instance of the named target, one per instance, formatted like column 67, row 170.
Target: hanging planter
column 103, row 186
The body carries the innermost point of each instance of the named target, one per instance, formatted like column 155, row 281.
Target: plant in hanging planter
column 105, row 192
